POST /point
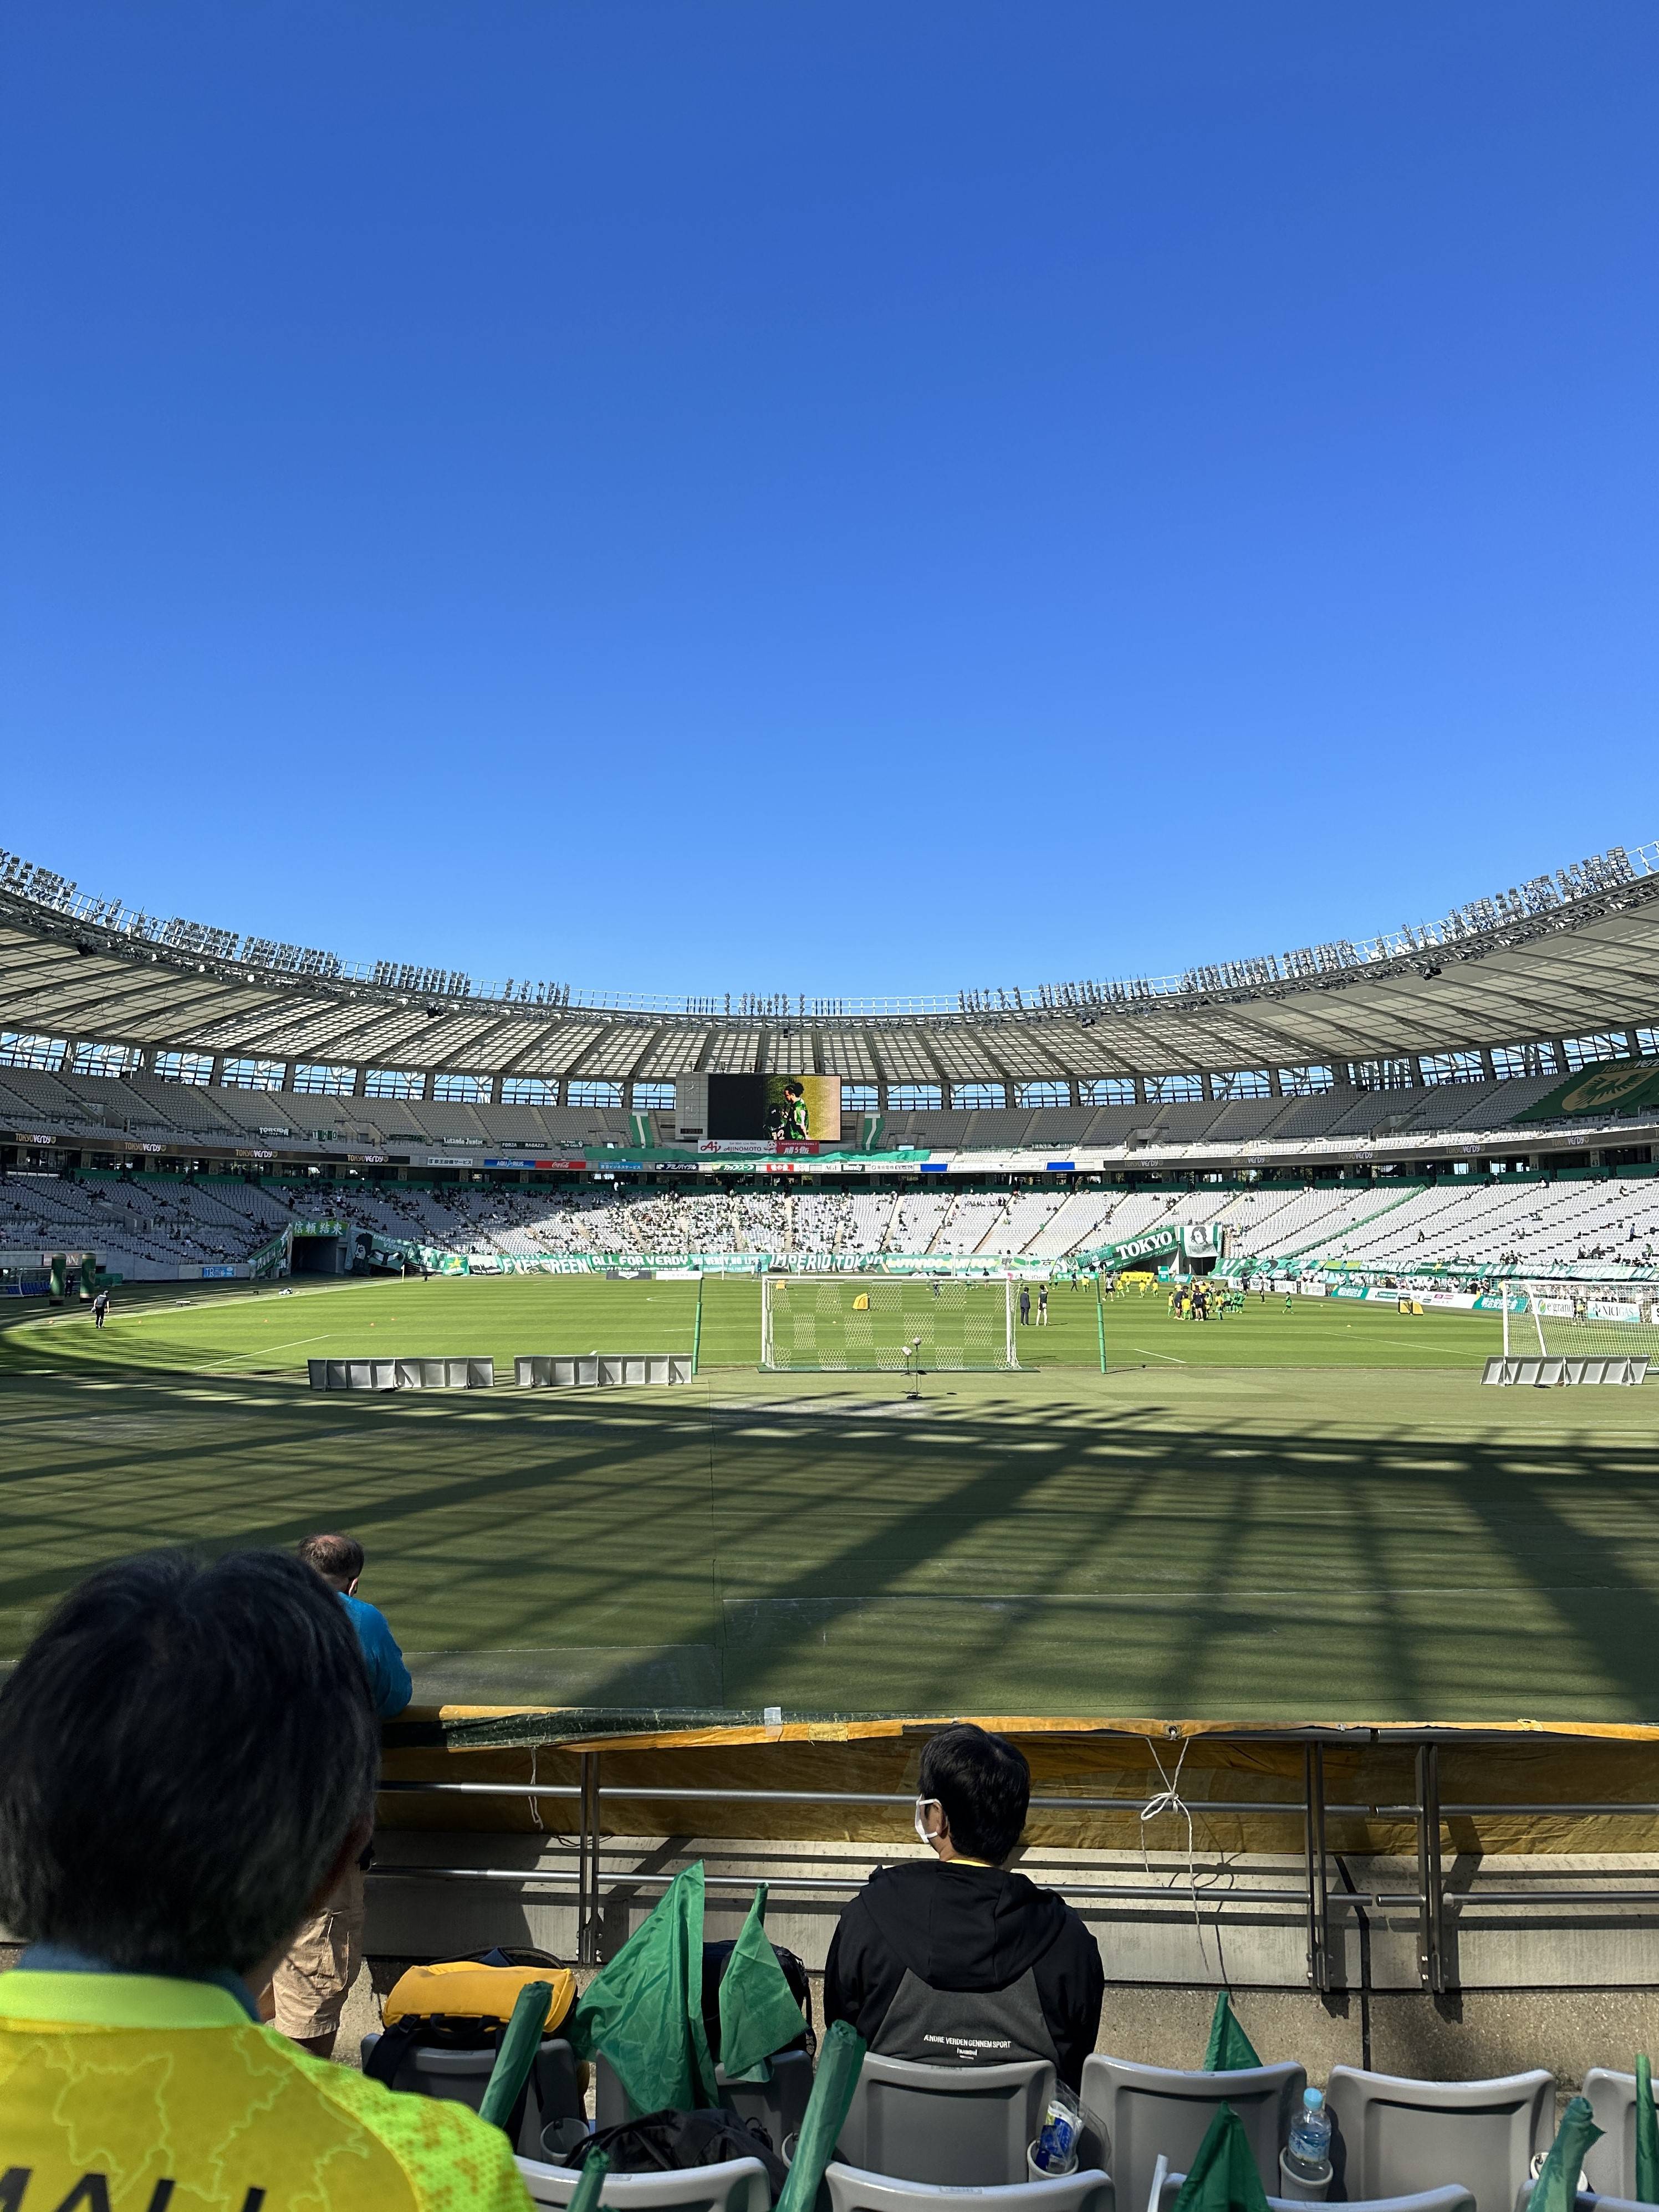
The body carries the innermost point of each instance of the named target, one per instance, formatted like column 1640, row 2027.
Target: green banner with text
column 1616, row 1086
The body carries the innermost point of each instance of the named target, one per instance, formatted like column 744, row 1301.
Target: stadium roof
column 1561, row 955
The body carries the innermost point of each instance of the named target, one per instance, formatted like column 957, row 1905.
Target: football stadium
column 639, row 1578
column 1233, row 1383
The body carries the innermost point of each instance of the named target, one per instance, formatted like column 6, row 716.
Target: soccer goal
column 1572, row 1332
column 901, row 1325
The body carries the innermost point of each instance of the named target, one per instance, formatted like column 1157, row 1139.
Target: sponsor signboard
column 563, row 1162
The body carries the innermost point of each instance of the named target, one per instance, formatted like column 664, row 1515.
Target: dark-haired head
column 983, row 1787
column 188, row 1752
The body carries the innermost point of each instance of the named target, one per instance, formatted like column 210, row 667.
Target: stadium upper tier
column 1511, row 985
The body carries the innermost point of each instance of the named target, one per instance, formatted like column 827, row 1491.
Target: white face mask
column 922, row 1803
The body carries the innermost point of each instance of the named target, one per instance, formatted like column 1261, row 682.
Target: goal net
column 1580, row 1332
column 810, row 1322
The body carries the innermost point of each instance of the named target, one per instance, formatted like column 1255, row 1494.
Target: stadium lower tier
column 1591, row 1228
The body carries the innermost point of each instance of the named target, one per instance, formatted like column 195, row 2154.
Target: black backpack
column 715, row 1958
column 670, row 2142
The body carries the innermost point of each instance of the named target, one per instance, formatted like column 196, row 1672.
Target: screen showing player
column 790, row 1109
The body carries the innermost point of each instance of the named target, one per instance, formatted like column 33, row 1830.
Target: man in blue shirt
column 309, row 1988
column 339, row 1561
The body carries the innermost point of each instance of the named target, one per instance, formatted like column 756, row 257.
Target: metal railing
column 1435, row 1905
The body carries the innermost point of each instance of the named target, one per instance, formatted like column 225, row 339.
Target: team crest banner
column 1617, row 1086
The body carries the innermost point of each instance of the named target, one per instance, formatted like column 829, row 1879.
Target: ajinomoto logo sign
column 1614, row 1088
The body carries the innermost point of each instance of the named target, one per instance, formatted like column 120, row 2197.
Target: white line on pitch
column 262, row 1351
column 1151, row 1354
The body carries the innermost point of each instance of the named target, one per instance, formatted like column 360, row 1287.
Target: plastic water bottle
column 1308, row 2156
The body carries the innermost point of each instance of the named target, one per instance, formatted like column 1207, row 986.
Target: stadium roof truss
column 1564, row 956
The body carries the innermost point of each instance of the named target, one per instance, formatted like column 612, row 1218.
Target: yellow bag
column 458, row 1990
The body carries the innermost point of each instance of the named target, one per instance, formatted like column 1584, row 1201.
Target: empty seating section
column 971, row 1221
column 917, row 1219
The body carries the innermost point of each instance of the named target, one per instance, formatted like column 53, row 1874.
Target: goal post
column 886, row 1324
column 1572, row 1332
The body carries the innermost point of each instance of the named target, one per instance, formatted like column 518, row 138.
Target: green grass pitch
column 1318, row 1514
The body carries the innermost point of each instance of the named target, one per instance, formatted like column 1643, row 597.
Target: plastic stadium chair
column 737, row 2185
column 1150, row 2112
column 779, row 2104
column 1611, row 2164
column 953, row 2126
column 1397, row 2138
column 463, row 2075
column 854, row 2191
column 1166, row 2187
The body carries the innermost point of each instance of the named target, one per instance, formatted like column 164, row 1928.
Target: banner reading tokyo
column 786, row 1109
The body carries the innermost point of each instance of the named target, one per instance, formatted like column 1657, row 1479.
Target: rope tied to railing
column 1170, row 1800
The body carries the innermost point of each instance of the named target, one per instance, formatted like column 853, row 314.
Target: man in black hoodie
column 953, row 1961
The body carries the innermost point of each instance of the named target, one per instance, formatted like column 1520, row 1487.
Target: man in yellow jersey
column 188, row 1757
column 952, row 1960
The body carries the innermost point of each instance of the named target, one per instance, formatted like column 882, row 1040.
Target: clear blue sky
column 817, row 495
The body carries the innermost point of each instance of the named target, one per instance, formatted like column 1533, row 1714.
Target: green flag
column 826, row 2115
column 643, row 2013
column 758, row 2012
column 1229, row 2049
column 1647, row 2134
column 1557, row 2186
column 1223, row 2177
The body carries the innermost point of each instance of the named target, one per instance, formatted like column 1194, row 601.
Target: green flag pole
column 521, row 2041
column 1647, row 2133
column 697, row 1327
column 1556, row 2187
column 826, row 2115
column 1100, row 1319
column 594, row 2169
